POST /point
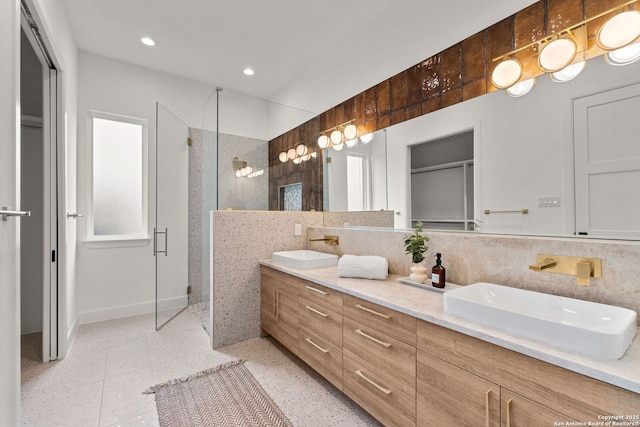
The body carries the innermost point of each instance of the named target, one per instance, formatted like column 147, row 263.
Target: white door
column 9, row 230
column 607, row 164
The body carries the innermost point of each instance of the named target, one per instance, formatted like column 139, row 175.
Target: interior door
column 9, row 229
column 172, row 214
column 607, row 163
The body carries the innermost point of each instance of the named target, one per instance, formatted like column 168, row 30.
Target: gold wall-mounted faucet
column 583, row 268
column 546, row 263
column 330, row 240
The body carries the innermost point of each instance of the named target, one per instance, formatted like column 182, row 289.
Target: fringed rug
column 227, row 396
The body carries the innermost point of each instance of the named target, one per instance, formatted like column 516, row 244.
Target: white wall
column 119, row 279
column 523, row 149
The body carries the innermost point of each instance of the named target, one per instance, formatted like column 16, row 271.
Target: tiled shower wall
column 231, row 193
column 457, row 74
column 504, row 259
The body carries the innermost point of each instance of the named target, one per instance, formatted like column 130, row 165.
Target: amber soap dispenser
column 438, row 273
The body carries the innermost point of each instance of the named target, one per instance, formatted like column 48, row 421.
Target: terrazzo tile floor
column 110, row 364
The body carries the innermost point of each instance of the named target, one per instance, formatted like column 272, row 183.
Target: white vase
column 418, row 273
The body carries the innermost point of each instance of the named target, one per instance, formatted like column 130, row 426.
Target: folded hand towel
column 363, row 267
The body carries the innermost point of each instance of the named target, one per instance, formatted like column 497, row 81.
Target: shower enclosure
column 229, row 170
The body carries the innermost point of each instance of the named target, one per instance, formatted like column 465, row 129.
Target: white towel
column 363, row 267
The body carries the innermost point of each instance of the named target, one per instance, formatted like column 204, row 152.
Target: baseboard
column 71, row 334
column 30, row 327
column 128, row 310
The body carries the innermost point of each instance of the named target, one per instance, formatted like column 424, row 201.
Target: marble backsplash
column 503, row 259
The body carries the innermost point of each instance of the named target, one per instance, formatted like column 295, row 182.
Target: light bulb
column 239, row 173
column 283, row 156
column 297, row 160
column 367, row 138
column 624, row 56
column 323, row 142
column 336, row 136
column 350, row 131
column 506, row 74
column 301, row 149
column 619, row 31
column 350, row 143
column 521, row 88
column 338, row 147
column 557, row 55
column 568, row 73
column 291, row 153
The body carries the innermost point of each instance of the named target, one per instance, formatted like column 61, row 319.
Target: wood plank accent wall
column 457, row 74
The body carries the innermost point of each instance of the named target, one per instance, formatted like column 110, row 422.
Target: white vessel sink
column 599, row 330
column 303, row 259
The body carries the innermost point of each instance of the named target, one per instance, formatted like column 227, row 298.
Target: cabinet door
column 268, row 294
column 518, row 411
column 450, row 396
column 287, row 318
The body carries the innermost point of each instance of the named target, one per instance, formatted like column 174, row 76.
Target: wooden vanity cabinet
column 409, row 372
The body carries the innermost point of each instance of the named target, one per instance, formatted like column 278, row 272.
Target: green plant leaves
column 415, row 244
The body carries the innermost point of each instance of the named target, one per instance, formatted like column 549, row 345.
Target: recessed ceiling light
column 148, row 41
column 248, row 72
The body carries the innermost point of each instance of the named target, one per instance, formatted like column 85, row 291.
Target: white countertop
column 427, row 305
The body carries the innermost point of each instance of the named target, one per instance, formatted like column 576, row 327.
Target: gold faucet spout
column 331, row 240
column 546, row 263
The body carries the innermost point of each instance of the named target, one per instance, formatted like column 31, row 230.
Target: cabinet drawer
column 321, row 355
column 381, row 399
column 286, row 281
column 390, row 322
column 320, row 321
column 324, row 296
column 392, row 359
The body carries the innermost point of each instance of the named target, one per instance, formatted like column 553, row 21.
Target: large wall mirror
column 563, row 160
column 566, row 153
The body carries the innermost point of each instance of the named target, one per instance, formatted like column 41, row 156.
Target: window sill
column 124, row 242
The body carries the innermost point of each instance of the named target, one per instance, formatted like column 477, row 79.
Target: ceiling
column 306, row 54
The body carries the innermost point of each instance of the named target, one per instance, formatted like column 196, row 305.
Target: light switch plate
column 549, row 202
column 297, row 230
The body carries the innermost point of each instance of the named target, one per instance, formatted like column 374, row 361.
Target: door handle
column 75, row 215
column 155, row 241
column 6, row 213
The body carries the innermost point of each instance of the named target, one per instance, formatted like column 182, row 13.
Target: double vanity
column 400, row 355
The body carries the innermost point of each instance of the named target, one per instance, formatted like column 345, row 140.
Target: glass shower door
column 170, row 240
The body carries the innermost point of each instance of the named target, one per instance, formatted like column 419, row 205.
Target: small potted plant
column 415, row 244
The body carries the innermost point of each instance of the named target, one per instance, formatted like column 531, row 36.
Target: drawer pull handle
column 324, row 350
column 486, row 409
column 379, row 387
column 382, row 343
column 368, row 310
column 311, row 288
column 509, row 413
column 316, row 311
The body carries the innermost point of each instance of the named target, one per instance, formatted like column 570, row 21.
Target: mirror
column 523, row 150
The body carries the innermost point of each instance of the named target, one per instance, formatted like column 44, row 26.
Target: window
column 119, row 177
